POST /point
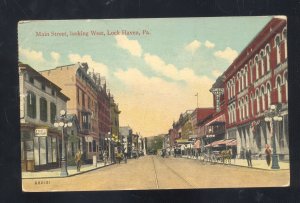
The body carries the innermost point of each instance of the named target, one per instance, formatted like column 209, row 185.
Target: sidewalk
column 256, row 164
column 55, row 173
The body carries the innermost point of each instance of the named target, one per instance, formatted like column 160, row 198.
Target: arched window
column 242, row 79
column 247, row 106
column 267, row 53
column 257, row 101
column 31, row 104
column 277, row 45
column 234, row 113
column 246, row 75
column 43, row 109
column 256, row 67
column 278, row 85
column 284, row 37
column 239, row 81
column 242, row 109
column 269, row 94
column 233, row 86
column 262, row 58
column 262, row 94
column 252, row 103
column 285, row 76
column 228, row 90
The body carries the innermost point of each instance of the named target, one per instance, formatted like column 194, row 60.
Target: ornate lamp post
column 63, row 122
column 273, row 116
column 108, row 139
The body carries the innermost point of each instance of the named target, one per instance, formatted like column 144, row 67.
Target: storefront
column 39, row 148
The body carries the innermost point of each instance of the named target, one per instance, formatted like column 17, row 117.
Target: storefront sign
column 41, row 132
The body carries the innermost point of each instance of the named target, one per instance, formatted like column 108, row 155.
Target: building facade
column 256, row 79
column 40, row 102
column 82, row 87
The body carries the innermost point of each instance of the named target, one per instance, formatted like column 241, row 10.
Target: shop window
column 43, row 109
column 94, row 146
column 31, row 105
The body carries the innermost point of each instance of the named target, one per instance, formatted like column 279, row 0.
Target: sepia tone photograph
column 152, row 104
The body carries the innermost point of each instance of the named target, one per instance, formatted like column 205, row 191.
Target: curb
column 71, row 174
column 264, row 169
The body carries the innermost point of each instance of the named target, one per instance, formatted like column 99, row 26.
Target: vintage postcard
column 147, row 104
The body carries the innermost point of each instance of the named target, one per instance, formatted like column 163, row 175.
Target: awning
column 220, row 143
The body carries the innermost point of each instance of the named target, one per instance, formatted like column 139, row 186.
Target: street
column 154, row 172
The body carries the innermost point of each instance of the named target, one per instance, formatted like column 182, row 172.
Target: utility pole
column 197, row 99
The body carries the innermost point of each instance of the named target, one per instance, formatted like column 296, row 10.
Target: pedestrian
column 78, row 160
column 248, row 157
column 105, row 157
column 268, row 154
column 119, row 157
column 234, row 153
column 125, row 154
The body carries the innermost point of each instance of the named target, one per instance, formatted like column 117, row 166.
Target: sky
column 153, row 67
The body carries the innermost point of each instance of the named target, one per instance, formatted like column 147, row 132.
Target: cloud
column 31, row 56
column 55, row 56
column 216, row 73
column 209, row 44
column 133, row 46
column 96, row 66
column 170, row 70
column 228, row 54
column 152, row 100
column 193, row 46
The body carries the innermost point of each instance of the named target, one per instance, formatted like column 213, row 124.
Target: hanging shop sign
column 41, row 132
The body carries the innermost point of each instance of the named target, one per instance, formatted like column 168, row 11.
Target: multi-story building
column 82, row 88
column 40, row 102
column 126, row 134
column 103, row 112
column 255, row 80
column 114, row 117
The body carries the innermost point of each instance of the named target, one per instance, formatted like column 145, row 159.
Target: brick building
column 256, row 79
column 82, row 87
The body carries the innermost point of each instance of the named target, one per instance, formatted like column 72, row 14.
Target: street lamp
column 63, row 122
column 108, row 139
column 273, row 116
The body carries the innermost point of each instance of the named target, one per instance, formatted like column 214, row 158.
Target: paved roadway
column 153, row 172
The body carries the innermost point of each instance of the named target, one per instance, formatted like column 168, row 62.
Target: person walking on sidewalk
column 105, row 157
column 78, row 160
column 248, row 157
column 268, row 154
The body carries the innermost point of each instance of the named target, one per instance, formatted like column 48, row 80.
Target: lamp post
column 273, row 116
column 63, row 122
column 109, row 151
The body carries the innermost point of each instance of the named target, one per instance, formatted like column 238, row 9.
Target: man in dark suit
column 248, row 157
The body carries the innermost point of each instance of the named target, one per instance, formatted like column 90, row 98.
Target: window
column 257, row 101
column 262, row 93
column 256, row 68
column 277, row 44
column 43, row 85
column 52, row 112
column 31, row 80
column 83, row 99
column 94, row 146
column 78, row 98
column 269, row 94
column 284, row 36
column 268, row 50
column 278, row 85
column 285, row 75
column 262, row 56
column 43, row 109
column 89, row 102
column 53, row 91
column 31, row 105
